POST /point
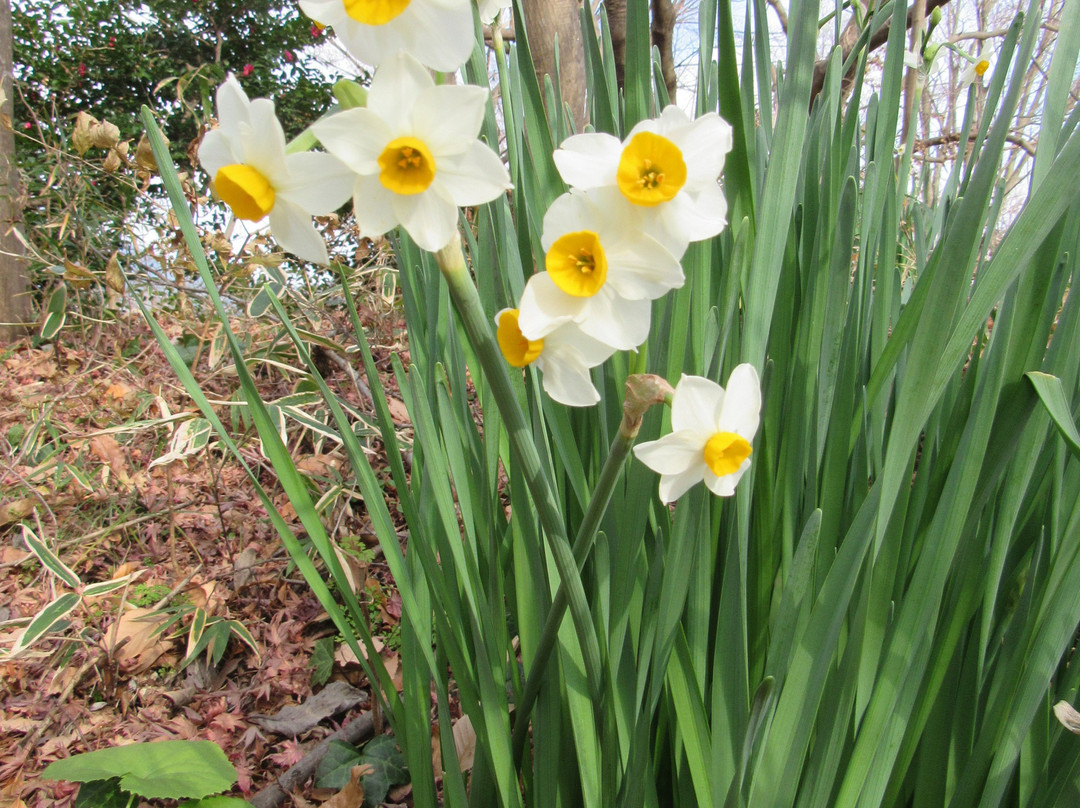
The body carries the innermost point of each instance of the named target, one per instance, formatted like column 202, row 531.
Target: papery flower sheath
column 667, row 168
column 437, row 32
column 246, row 160
column 603, row 271
column 564, row 357
column 414, row 154
column 711, row 432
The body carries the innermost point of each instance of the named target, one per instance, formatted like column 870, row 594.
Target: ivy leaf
column 335, row 767
column 322, row 661
column 389, row 769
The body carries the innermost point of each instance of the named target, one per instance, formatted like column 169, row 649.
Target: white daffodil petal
column 705, row 144
column 216, row 151
column 232, row 106
column 263, row 140
column 318, row 182
column 569, row 338
column 440, row 37
column 725, row 486
column 373, row 206
column 696, row 406
column 293, row 229
column 474, row 177
column 696, row 217
column 372, row 44
column 673, row 453
column 588, row 160
column 740, row 411
column 355, row 136
column 673, row 486
column 569, row 212
column 397, row 84
column 429, row 218
column 448, row 118
column 643, row 269
column 490, row 10
column 544, row 307
column 566, row 379
column 622, row 324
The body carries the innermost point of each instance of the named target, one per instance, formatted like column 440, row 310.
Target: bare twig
column 275, row 793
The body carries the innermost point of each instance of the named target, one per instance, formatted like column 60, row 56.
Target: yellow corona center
column 725, row 453
column 245, row 190
column 515, row 346
column 651, row 170
column 577, row 264
column 407, row 166
column 981, row 67
column 375, row 12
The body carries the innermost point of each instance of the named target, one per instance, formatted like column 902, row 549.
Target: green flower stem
column 451, row 260
column 505, row 95
column 583, row 543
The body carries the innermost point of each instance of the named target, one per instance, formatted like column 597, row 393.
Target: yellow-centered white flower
column 712, row 429
column 246, row 160
column 437, row 32
column 976, row 69
column 667, row 168
column 414, row 154
column 603, row 271
column 564, row 357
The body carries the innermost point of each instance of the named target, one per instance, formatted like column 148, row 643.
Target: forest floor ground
column 82, row 422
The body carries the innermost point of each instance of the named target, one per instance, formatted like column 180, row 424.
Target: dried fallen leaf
column 17, row 509
column 318, row 465
column 108, row 451
column 345, row 657
column 1068, row 716
column 398, row 412
column 465, row 742
column 143, row 646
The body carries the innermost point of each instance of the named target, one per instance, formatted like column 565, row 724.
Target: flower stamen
column 577, row 263
column 407, row 166
column 651, row 170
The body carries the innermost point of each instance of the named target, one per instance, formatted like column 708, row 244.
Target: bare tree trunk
column 663, row 37
column 662, row 32
column 616, row 17
column 14, row 276
column 546, row 20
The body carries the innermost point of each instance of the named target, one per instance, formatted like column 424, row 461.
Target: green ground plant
column 884, row 612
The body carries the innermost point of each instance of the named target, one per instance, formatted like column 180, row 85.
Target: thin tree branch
column 847, row 42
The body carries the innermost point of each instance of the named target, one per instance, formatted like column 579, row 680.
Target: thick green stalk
column 642, row 393
column 451, row 260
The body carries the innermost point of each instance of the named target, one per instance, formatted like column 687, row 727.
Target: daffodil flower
column 246, row 160
column 564, row 357
column 603, row 271
column 414, row 153
column 667, row 167
column 712, row 429
column 437, row 32
column 976, row 69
